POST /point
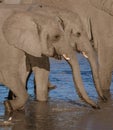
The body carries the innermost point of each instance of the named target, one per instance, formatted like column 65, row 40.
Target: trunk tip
column 96, row 107
column 104, row 99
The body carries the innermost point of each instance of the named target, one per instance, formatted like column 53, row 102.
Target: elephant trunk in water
column 90, row 54
column 70, row 57
column 72, row 60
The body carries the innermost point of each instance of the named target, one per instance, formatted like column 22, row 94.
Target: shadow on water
column 64, row 110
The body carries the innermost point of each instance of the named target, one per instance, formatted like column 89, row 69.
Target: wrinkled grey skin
column 13, row 45
column 76, row 36
column 99, row 28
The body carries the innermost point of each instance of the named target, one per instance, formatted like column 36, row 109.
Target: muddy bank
column 64, row 110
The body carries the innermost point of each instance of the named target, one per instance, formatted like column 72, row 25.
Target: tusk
column 84, row 54
column 66, row 57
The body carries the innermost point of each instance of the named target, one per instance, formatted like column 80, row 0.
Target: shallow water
column 64, row 109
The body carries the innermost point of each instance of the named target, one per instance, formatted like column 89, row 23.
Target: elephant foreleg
column 105, row 76
column 41, row 81
column 105, row 67
column 40, row 68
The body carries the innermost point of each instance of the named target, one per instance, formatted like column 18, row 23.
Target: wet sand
column 64, row 110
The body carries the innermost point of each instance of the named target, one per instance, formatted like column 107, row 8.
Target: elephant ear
column 21, row 31
column 105, row 5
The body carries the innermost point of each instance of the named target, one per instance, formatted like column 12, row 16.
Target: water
column 64, row 109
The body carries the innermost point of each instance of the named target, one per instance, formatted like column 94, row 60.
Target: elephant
column 20, row 34
column 22, row 28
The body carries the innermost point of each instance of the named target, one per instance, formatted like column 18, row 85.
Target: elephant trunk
column 72, row 60
column 95, row 72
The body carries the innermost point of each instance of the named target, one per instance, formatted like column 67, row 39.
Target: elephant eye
column 78, row 34
column 56, row 37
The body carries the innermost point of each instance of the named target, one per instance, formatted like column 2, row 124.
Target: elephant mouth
column 56, row 55
column 83, row 53
column 68, row 58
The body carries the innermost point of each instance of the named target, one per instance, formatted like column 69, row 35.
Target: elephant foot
column 96, row 107
column 92, row 104
column 8, row 107
column 107, row 93
column 104, row 99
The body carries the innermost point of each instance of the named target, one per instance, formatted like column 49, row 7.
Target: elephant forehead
column 54, row 28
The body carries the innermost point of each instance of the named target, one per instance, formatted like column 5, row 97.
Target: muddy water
column 64, row 110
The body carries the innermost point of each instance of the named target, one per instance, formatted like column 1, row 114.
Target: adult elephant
column 25, row 32
column 98, row 25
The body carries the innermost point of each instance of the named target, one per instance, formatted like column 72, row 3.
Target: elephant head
column 37, row 35
column 34, row 34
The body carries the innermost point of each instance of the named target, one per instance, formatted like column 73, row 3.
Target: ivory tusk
column 66, row 57
column 84, row 54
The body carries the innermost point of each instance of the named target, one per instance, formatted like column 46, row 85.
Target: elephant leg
column 105, row 66
column 15, row 79
column 18, row 88
column 41, row 81
column 40, row 68
column 105, row 76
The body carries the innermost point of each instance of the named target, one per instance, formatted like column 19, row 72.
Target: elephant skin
column 16, row 1
column 105, row 5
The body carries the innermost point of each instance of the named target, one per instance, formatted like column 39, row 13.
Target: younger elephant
column 23, row 33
